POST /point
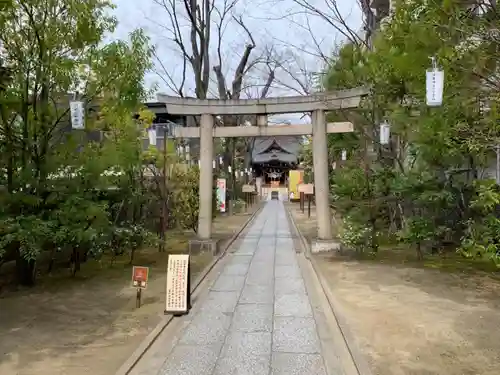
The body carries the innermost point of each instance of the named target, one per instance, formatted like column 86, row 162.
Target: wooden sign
column 140, row 277
column 248, row 188
column 178, row 294
column 306, row 188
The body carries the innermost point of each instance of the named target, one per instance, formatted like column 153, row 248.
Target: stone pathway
column 257, row 318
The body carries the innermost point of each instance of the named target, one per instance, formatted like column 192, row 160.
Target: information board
column 177, row 300
column 248, row 188
column 306, row 188
column 140, row 277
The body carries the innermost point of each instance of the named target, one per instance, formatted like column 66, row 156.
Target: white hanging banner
column 434, row 82
column 221, row 194
column 77, row 114
column 213, row 164
column 229, row 168
column 220, row 160
column 152, row 136
column 344, row 155
column 385, row 133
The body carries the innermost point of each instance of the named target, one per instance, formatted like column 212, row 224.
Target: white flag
column 434, row 83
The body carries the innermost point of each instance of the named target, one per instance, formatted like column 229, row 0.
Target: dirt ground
column 416, row 318
column 89, row 324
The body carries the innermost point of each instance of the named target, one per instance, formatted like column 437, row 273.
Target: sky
column 277, row 25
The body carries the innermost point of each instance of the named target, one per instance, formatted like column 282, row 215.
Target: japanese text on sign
column 177, row 283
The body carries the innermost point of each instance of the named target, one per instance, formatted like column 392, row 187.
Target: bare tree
column 196, row 30
column 190, row 27
column 329, row 12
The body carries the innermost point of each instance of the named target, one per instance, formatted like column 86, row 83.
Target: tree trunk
column 26, row 270
column 420, row 255
column 75, row 261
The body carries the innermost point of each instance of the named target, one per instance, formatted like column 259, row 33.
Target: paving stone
column 240, row 259
column 257, row 294
column 286, row 259
column 249, row 365
column 235, row 270
column 262, row 266
column 253, row 318
column 244, row 251
column 191, row 360
column 288, row 272
column 241, row 344
column 297, row 364
column 295, row 335
column 257, row 318
column 292, row 305
column 207, row 329
column 228, row 283
column 289, row 286
column 258, row 277
column 220, row 302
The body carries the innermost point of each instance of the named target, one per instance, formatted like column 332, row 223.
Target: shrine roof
column 284, row 148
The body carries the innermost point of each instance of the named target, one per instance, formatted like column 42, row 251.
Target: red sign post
column 140, row 281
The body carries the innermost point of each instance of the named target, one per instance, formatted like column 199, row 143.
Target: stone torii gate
column 318, row 104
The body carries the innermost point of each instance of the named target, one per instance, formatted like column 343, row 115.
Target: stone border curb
column 357, row 357
column 144, row 346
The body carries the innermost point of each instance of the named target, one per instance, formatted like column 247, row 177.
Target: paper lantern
column 385, row 133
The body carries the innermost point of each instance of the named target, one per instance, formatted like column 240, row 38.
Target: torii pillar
column 321, row 180
column 206, row 177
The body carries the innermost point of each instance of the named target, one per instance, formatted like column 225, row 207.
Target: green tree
column 420, row 187
column 54, row 51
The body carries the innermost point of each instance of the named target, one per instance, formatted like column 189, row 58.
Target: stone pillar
column 206, row 177
column 261, row 120
column 321, row 181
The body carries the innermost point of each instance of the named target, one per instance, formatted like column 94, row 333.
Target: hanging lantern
column 334, row 165
column 213, row 164
column 246, row 170
column 187, row 149
column 180, row 149
column 434, row 84
column 229, row 169
column 385, row 133
column 77, row 114
column 344, row 155
column 237, row 174
column 220, row 160
column 152, row 136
